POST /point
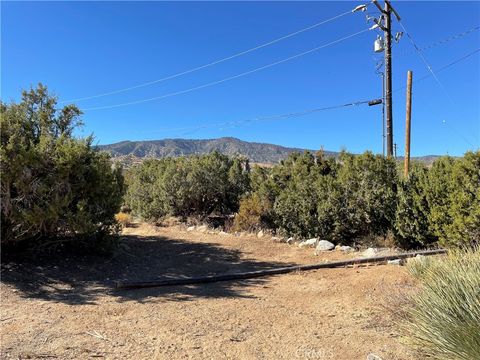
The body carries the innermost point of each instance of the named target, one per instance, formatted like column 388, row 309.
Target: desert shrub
column 443, row 318
column 339, row 200
column 442, row 204
column 187, row 186
column 254, row 213
column 464, row 203
column 123, row 219
column 145, row 194
column 411, row 220
column 54, row 187
column 437, row 188
column 296, row 209
column 292, row 185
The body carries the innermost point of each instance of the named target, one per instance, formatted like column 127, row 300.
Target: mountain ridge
column 257, row 152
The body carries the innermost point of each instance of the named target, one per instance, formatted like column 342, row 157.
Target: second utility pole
column 408, row 121
column 387, row 24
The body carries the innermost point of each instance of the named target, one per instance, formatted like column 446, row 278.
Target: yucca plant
column 442, row 319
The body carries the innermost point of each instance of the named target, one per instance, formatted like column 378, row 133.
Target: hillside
column 130, row 152
column 256, row 152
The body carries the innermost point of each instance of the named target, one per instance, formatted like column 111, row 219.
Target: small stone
column 191, row 228
column 373, row 357
column 308, row 243
column 223, row 233
column 260, row 234
column 290, row 240
column 346, row 248
column 324, row 245
column 202, row 228
column 370, row 252
column 397, row 262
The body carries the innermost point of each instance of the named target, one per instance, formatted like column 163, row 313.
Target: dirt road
column 66, row 309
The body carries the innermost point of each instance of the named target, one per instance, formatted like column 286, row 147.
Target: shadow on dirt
column 82, row 279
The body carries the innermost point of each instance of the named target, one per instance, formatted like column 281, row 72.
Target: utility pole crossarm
column 394, row 11
column 375, row 2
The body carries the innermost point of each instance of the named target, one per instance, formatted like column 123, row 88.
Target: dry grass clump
column 123, row 219
column 442, row 319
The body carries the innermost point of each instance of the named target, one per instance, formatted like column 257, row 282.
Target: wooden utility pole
column 408, row 120
column 387, row 24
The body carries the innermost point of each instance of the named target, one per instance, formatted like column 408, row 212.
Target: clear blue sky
column 85, row 48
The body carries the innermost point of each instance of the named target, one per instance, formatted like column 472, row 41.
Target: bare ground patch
column 66, row 308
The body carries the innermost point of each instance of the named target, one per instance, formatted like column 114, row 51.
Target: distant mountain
column 256, row 152
column 129, row 152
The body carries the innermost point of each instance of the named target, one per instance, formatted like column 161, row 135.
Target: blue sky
column 80, row 49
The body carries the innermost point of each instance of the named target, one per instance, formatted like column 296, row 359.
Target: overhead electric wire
column 441, row 68
column 228, row 78
column 450, row 38
column 419, row 52
column 427, row 64
column 304, row 112
column 211, row 63
column 235, row 123
column 443, row 41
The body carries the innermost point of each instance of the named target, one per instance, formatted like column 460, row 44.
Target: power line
column 304, row 112
column 442, row 68
column 419, row 52
column 427, row 64
column 450, row 38
column 228, row 78
column 211, row 63
column 236, row 123
column 443, row 41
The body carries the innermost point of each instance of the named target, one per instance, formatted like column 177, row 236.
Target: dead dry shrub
column 123, row 219
column 252, row 214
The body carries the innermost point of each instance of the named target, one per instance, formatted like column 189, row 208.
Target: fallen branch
column 269, row 272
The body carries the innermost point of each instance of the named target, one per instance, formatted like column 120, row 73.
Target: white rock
column 346, row 248
column 202, row 228
column 260, row 234
column 290, row 240
column 324, row 245
column 223, row 233
column 191, row 228
column 394, row 262
column 308, row 243
column 370, row 252
column 373, row 357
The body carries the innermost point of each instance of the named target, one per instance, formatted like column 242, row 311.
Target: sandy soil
column 67, row 309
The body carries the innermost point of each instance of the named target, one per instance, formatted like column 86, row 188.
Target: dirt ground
column 67, row 309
